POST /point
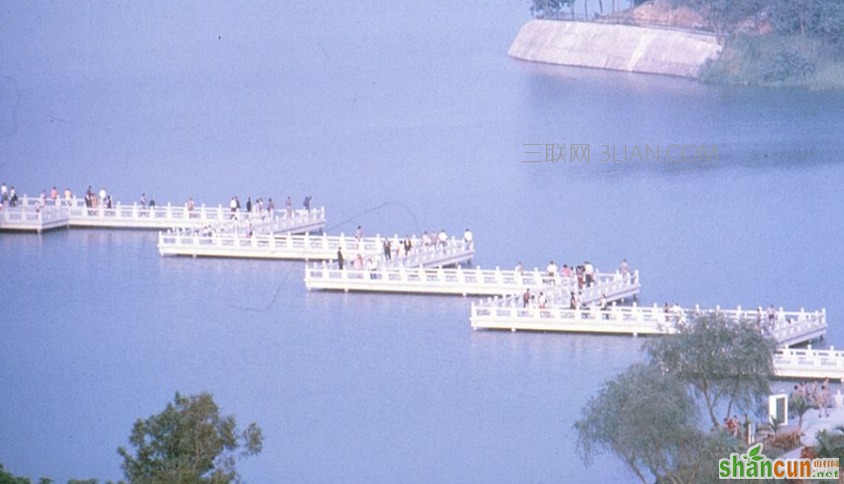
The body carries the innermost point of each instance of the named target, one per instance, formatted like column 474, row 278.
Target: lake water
column 401, row 119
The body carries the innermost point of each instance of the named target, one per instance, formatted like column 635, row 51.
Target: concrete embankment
column 617, row 47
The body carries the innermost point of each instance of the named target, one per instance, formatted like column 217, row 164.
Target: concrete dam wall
column 618, row 47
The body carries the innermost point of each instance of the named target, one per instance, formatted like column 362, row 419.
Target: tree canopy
column 648, row 415
column 725, row 362
column 649, row 420
column 188, row 443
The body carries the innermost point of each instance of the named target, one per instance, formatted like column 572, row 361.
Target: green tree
column 722, row 15
column 7, row 477
column 798, row 405
column 830, row 443
column 188, row 443
column 549, row 9
column 649, row 420
column 725, row 362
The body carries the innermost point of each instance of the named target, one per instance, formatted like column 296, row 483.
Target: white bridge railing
column 170, row 216
column 809, row 363
column 461, row 281
column 287, row 246
column 167, row 217
column 32, row 219
column 788, row 328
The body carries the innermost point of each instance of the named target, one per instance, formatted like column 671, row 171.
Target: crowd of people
column 738, row 429
column 818, row 397
column 578, row 277
column 262, row 208
column 584, row 274
column 8, row 196
column 396, row 249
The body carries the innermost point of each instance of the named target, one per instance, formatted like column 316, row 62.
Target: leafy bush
column 831, row 443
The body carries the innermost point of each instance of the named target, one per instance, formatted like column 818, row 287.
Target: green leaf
column 754, row 450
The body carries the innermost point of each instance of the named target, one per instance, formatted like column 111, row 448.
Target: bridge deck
column 458, row 281
column 789, row 328
column 300, row 247
column 809, row 363
column 161, row 217
column 30, row 219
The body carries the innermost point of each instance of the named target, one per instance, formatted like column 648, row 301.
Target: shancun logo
column 755, row 464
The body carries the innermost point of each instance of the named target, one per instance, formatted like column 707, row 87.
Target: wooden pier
column 789, row 328
column 809, row 363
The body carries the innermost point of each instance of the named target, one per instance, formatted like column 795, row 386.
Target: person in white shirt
column 468, row 238
column 589, row 273
column 624, row 269
column 520, row 268
column 443, row 237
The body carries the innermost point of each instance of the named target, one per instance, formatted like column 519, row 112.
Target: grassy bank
column 778, row 60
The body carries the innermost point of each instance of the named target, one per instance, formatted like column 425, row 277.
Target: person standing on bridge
column 443, row 237
column 143, row 200
column 552, row 271
column 233, row 206
column 4, row 193
column 288, row 207
column 248, row 205
column 469, row 239
column 387, row 249
column 519, row 268
column 307, row 203
column 190, row 204
column 54, row 194
column 526, row 298
column 340, row 260
column 772, row 315
column 407, row 245
column 589, row 273
column 624, row 269
column 270, row 206
column 565, row 272
column 359, row 234
column 543, row 301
